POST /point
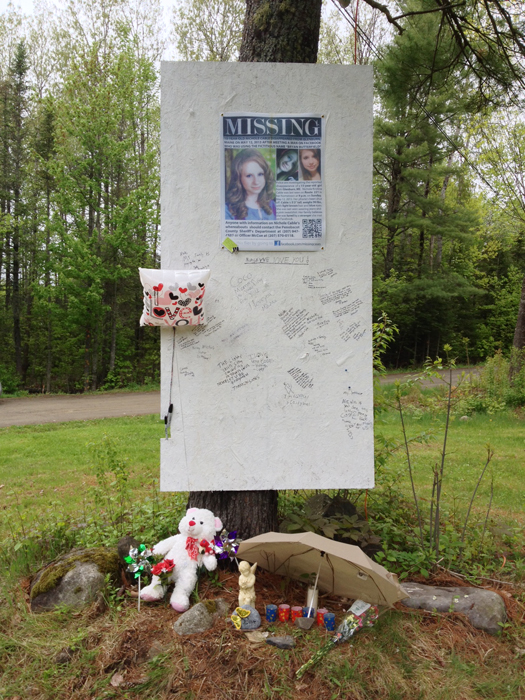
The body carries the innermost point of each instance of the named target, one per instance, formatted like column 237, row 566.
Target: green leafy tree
column 15, row 156
column 79, row 194
column 107, row 196
column 499, row 145
column 208, row 30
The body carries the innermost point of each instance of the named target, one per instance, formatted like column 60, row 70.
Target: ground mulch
column 127, row 654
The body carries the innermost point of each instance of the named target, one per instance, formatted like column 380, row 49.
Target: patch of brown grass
column 408, row 655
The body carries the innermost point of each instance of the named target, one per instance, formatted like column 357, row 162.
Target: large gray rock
column 74, row 579
column 201, row 617
column 485, row 610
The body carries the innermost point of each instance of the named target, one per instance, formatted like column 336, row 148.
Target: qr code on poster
column 312, row 228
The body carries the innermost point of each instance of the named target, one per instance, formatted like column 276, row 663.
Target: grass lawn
column 114, row 651
column 466, row 454
column 50, row 466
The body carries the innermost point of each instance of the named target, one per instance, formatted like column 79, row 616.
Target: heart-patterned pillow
column 171, row 299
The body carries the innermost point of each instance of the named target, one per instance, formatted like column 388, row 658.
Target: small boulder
column 285, row 642
column 485, row 610
column 74, row 579
column 201, row 617
column 195, row 620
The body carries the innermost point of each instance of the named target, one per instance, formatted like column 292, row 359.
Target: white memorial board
column 275, row 392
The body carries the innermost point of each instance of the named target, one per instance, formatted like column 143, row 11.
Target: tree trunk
column 49, row 353
column 281, row 31
column 393, row 204
column 439, row 237
column 518, row 344
column 249, row 512
column 275, row 31
column 519, row 333
column 17, row 332
column 423, row 227
column 87, row 360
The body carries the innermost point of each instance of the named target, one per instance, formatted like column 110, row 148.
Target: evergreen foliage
column 80, row 211
column 79, row 178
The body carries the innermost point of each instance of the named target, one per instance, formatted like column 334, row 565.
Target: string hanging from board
column 169, row 415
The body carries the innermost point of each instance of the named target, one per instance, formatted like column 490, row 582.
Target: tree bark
column 249, row 512
column 275, row 31
column 394, row 204
column 519, row 333
column 517, row 357
column 281, row 31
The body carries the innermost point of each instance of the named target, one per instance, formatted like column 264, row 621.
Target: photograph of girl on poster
column 310, row 162
column 250, row 193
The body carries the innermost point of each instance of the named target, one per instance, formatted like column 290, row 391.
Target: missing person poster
column 272, row 193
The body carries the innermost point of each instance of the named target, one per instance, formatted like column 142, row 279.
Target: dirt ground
column 408, row 654
column 33, row 410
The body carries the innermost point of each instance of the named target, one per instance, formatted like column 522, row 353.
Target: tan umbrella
column 345, row 570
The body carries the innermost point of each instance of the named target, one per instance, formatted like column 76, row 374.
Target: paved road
column 38, row 409
column 33, row 410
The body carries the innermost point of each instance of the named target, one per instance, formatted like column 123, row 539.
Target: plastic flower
column 163, row 570
column 349, row 626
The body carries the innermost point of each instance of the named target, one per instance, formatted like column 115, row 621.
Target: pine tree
column 17, row 112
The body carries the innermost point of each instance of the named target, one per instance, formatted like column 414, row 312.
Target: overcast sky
column 25, row 5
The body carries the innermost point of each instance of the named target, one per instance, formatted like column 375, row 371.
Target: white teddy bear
column 190, row 549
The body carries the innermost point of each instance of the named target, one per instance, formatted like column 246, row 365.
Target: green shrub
column 501, row 385
column 9, row 380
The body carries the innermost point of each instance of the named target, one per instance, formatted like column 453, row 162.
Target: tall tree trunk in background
column 87, row 359
column 275, row 31
column 394, row 203
column 422, row 230
column 518, row 344
column 438, row 240
column 281, row 31
column 18, row 73
column 519, row 333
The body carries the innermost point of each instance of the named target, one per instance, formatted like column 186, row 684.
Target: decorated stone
column 246, row 618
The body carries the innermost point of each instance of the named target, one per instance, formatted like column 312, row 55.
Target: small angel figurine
column 247, row 584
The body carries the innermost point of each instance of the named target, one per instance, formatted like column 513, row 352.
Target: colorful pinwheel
column 226, row 545
column 139, row 562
